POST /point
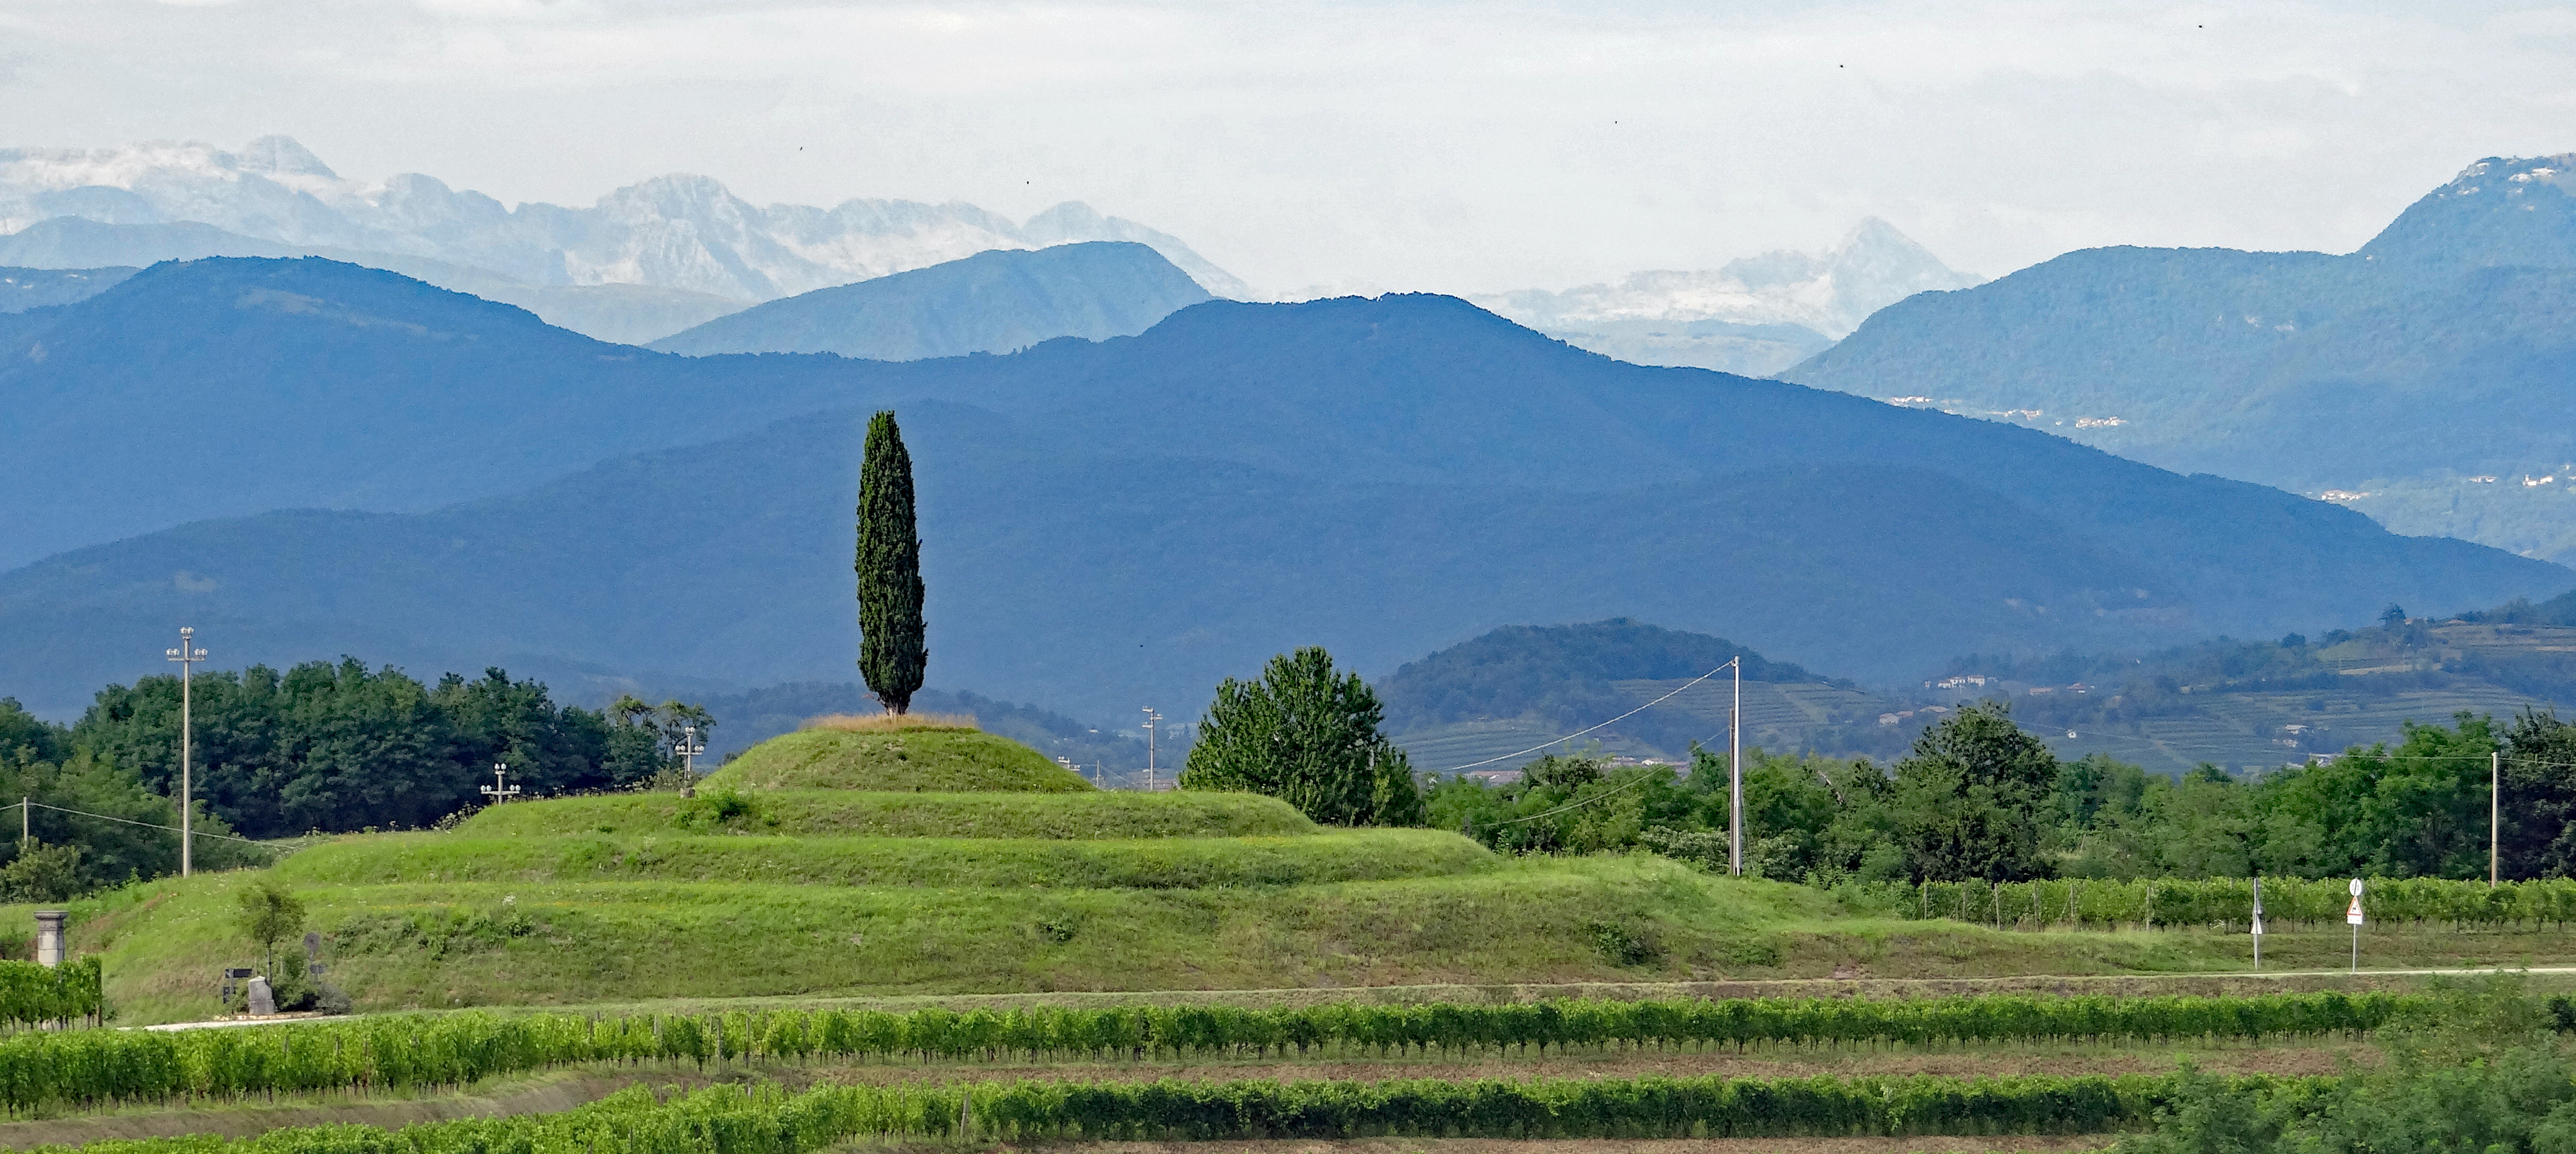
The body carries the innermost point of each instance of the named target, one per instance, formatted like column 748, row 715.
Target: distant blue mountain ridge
column 2441, row 347
column 338, row 459
column 993, row 302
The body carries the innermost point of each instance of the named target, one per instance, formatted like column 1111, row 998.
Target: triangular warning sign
column 2353, row 914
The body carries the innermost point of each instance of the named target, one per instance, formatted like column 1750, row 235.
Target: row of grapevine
column 30, row 993
column 766, row 1120
column 2103, row 904
column 394, row 1052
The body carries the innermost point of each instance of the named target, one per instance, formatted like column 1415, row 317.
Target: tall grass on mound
column 416, row 1052
column 854, row 813
column 767, row 1120
column 1157, row 863
column 910, row 759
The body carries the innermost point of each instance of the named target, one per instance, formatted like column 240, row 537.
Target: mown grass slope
column 927, row 759
column 447, row 944
column 1136, row 863
column 857, row 813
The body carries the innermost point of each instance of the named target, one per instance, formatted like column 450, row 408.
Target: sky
column 1377, row 146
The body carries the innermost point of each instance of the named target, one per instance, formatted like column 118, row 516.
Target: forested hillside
column 1107, row 524
column 2376, row 375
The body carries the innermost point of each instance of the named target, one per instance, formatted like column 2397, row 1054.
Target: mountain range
column 2422, row 377
column 644, row 261
column 994, row 302
column 1756, row 316
column 1106, row 524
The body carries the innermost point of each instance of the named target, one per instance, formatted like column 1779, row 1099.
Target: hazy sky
column 1458, row 147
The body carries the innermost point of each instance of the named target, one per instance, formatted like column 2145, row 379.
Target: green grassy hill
column 856, row 813
column 920, row 757
column 1153, row 863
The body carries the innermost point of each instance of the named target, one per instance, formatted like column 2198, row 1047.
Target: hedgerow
column 99, row 1067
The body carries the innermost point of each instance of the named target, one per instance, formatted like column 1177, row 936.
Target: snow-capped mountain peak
column 1757, row 315
column 680, row 231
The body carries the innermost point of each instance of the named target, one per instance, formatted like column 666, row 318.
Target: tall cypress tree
column 891, row 649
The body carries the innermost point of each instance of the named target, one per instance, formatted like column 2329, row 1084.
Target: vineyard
column 765, row 1120
column 31, row 994
column 2102, row 904
column 98, row 1067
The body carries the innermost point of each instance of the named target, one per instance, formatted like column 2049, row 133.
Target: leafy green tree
column 2539, row 834
column 1974, row 799
column 268, row 913
column 2416, row 811
column 41, row 873
column 24, row 734
column 1309, row 736
column 892, row 649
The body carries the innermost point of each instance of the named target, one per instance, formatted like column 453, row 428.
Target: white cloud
column 1451, row 146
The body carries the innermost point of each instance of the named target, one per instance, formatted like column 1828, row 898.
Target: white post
column 1735, row 776
column 2495, row 814
column 49, row 936
column 2258, row 921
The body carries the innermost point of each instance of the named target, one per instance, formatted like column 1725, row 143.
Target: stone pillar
column 262, row 1002
column 49, row 936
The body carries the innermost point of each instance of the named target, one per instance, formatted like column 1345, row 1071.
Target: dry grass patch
column 893, row 722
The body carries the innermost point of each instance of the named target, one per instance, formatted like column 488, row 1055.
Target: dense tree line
column 1977, row 798
column 320, row 746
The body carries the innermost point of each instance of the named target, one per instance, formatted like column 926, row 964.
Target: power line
column 1640, row 779
column 1588, row 729
column 146, row 824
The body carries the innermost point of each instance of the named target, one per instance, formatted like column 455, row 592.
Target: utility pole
column 1735, row 776
column 187, row 655
column 496, row 791
column 689, row 747
column 1150, row 718
column 2495, row 813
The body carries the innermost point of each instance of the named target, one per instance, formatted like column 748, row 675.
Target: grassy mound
column 850, row 813
column 441, row 944
column 1161, row 863
column 927, row 759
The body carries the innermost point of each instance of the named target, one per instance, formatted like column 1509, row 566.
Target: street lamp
column 187, row 655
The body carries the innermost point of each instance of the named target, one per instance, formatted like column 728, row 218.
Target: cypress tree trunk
column 891, row 649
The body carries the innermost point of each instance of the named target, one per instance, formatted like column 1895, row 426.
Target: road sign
column 2353, row 913
column 2356, row 887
